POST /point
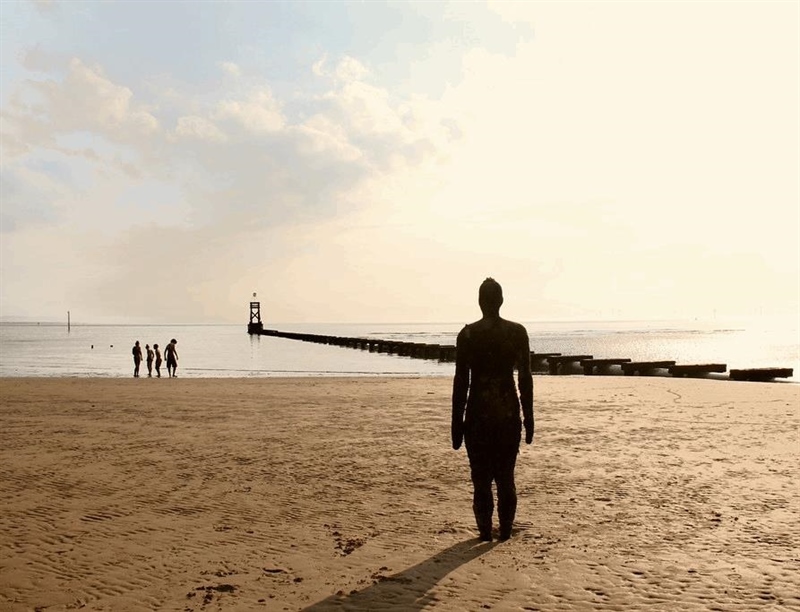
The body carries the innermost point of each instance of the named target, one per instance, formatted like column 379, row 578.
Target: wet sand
column 328, row 494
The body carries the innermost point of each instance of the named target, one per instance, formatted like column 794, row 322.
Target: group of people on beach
column 154, row 355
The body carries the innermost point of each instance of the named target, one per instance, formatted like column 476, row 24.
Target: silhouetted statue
column 137, row 358
column 487, row 352
column 171, row 355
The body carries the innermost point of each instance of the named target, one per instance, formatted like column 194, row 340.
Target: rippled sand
column 290, row 494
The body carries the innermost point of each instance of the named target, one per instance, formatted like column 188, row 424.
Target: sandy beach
column 335, row 494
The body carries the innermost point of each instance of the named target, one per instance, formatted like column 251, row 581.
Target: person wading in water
column 171, row 355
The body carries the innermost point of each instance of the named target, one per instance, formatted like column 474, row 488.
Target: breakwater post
column 255, row 326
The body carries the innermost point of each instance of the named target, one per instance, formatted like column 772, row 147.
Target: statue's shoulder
column 517, row 329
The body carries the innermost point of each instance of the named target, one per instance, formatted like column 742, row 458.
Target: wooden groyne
column 415, row 350
column 541, row 363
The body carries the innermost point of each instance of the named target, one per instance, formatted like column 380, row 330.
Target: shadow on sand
column 406, row 590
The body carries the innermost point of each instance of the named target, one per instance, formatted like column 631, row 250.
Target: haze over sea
column 207, row 351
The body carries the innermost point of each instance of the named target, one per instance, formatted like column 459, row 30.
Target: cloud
column 319, row 135
column 259, row 112
column 318, row 68
column 231, row 69
column 247, row 167
column 39, row 59
column 29, row 197
column 235, row 152
column 84, row 101
column 350, row 69
column 567, row 165
column 199, row 128
column 45, row 7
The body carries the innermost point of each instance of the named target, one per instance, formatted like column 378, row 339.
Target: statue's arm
column 525, row 382
column 460, row 389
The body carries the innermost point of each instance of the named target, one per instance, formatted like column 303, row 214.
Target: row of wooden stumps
column 556, row 363
column 551, row 363
column 416, row 350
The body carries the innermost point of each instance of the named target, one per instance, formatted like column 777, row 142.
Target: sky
column 375, row 161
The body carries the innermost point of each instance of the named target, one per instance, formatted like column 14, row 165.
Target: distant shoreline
column 227, row 351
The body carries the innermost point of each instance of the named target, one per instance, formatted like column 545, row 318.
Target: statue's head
column 490, row 296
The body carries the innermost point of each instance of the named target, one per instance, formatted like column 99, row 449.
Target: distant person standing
column 486, row 407
column 137, row 358
column 158, row 361
column 171, row 355
column 150, row 356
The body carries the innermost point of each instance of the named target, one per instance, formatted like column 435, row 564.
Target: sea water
column 229, row 351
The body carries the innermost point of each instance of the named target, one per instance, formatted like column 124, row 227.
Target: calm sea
column 228, row 351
